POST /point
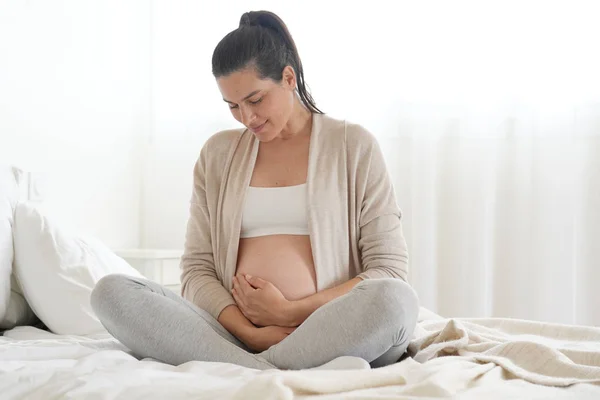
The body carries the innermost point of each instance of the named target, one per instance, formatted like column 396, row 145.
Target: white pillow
column 9, row 195
column 14, row 309
column 18, row 312
column 57, row 271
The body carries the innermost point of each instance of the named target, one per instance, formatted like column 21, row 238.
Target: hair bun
column 249, row 19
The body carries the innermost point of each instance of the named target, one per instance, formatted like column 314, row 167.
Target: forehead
column 239, row 84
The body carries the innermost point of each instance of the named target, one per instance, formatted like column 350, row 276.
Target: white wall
column 74, row 104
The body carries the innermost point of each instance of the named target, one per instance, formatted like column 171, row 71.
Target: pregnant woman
column 294, row 253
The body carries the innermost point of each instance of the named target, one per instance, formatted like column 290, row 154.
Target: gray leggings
column 374, row 321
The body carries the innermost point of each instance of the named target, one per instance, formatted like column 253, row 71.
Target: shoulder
column 215, row 152
column 357, row 138
column 223, row 140
column 218, row 145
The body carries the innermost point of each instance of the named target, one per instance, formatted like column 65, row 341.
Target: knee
column 106, row 292
column 395, row 301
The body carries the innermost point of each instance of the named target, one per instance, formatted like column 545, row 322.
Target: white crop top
column 275, row 211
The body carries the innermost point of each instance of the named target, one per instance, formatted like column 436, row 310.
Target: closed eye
column 255, row 102
column 234, row 106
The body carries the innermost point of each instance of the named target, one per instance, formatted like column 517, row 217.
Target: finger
column 255, row 282
column 244, row 285
column 239, row 300
column 237, row 287
column 242, row 307
column 248, row 313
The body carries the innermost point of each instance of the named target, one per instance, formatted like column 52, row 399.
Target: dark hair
column 263, row 41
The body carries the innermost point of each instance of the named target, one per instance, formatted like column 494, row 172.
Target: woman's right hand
column 260, row 339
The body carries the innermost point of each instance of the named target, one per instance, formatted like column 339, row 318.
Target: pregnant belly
column 284, row 260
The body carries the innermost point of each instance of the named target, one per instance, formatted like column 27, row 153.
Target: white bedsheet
column 35, row 364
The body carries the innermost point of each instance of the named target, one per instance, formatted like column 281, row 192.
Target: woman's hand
column 261, row 302
column 262, row 338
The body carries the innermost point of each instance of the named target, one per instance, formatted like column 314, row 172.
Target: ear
column 288, row 78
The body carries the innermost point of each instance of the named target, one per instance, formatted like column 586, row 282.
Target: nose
column 247, row 116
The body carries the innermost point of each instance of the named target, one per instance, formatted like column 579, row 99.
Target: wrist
column 232, row 319
column 246, row 335
column 294, row 315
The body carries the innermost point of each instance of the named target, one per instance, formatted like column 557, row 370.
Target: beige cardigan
column 354, row 220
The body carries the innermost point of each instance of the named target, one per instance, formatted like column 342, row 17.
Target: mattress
column 36, row 364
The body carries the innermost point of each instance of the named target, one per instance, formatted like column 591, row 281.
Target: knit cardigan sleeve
column 381, row 241
column 199, row 279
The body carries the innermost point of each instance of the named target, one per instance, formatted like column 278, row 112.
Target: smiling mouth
column 258, row 128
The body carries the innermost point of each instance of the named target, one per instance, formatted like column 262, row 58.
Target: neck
column 299, row 123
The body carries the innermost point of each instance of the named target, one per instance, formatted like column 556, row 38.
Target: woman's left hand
column 261, row 302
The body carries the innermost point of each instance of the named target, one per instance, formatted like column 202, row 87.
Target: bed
column 462, row 358
column 65, row 353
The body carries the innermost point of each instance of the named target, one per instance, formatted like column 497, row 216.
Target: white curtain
column 502, row 211
column 488, row 114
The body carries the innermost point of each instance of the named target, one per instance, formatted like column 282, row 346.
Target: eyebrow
column 250, row 95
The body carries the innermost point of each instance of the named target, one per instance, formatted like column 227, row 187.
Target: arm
column 380, row 239
column 301, row 309
column 381, row 242
column 234, row 321
column 263, row 304
column 200, row 283
column 255, row 338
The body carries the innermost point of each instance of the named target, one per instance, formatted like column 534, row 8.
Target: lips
column 258, row 128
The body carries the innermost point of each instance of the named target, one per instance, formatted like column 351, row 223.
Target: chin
column 265, row 137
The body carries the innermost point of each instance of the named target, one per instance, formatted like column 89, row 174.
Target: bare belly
column 284, row 260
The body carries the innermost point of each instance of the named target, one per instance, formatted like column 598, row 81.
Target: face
column 262, row 105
